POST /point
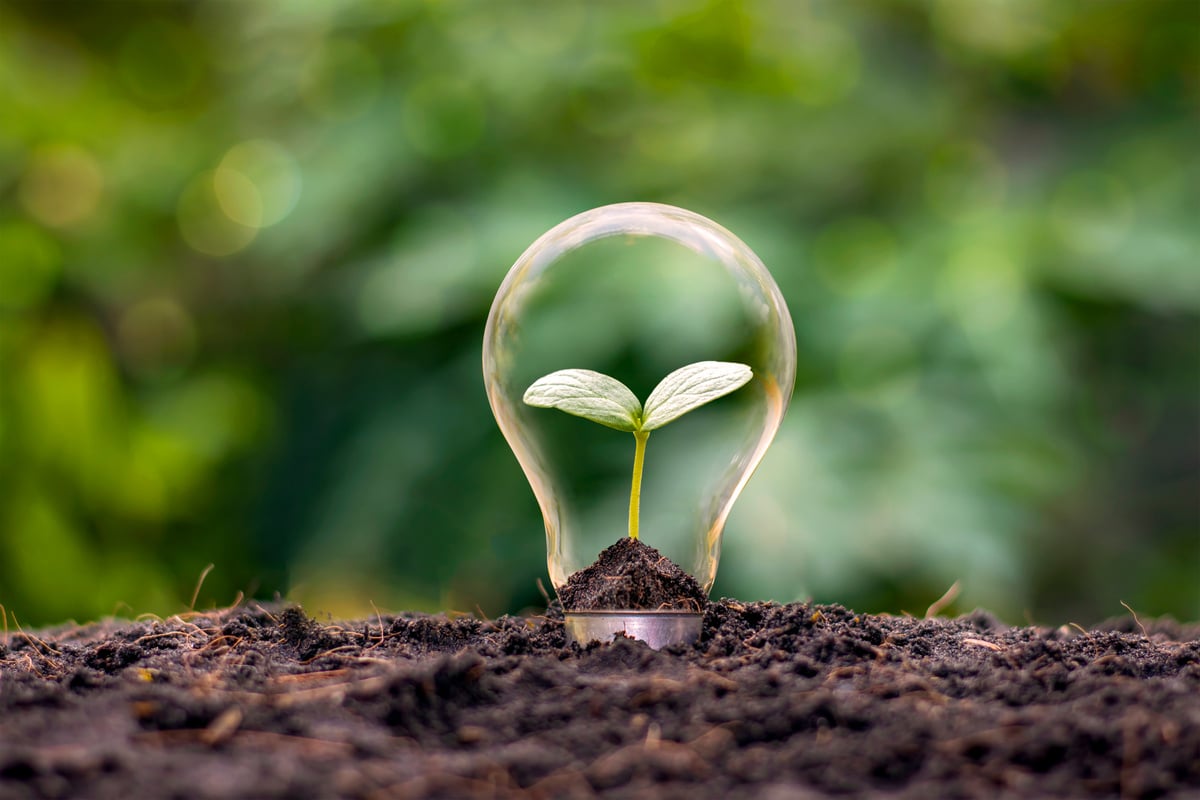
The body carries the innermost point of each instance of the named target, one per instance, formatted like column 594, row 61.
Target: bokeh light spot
column 274, row 183
column 62, row 185
column 238, row 197
column 1000, row 27
column 204, row 222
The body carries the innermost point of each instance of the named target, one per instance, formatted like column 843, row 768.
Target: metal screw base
column 656, row 628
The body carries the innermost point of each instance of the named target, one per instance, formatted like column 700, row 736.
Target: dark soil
column 773, row 702
column 632, row 575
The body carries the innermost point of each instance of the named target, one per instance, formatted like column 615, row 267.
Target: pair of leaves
column 603, row 399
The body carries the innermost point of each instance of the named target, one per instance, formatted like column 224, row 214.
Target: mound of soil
column 795, row 701
column 632, row 575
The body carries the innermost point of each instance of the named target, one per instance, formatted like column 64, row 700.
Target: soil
column 775, row 702
column 632, row 575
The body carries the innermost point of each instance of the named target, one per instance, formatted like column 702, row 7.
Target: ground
column 631, row 574
column 774, row 702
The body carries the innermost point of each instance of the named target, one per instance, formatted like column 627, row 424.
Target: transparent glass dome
column 635, row 291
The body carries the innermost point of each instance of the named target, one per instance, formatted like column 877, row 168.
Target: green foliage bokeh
column 247, row 249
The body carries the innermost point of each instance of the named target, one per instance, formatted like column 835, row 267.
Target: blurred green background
column 247, row 251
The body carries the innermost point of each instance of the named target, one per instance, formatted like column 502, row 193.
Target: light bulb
column 636, row 291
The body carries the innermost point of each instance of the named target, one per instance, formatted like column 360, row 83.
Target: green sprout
column 606, row 400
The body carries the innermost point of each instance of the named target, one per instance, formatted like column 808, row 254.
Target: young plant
column 606, row 400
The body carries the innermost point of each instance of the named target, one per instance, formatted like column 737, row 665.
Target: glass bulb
column 635, row 291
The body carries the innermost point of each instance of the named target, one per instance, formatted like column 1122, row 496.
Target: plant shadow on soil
column 774, row 701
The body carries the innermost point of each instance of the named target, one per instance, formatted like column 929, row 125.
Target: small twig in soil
column 32, row 640
column 322, row 654
column 35, row 644
column 1135, row 619
column 199, row 583
column 222, row 728
column 338, row 629
column 382, row 632
column 842, row 673
column 333, row 691
column 215, row 613
column 304, row 677
column 237, row 599
column 945, row 600
column 195, row 630
column 215, row 643
column 982, row 643
column 689, row 604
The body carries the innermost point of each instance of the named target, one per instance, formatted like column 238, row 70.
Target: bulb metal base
column 656, row 628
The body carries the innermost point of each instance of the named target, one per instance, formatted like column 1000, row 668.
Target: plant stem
column 635, row 491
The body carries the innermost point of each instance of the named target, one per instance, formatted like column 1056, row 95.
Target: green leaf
column 587, row 394
column 690, row 387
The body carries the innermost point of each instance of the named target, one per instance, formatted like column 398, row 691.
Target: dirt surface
column 774, row 702
column 632, row 575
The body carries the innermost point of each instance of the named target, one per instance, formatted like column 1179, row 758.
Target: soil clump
column 632, row 575
column 778, row 702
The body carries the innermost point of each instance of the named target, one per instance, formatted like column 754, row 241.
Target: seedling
column 603, row 399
